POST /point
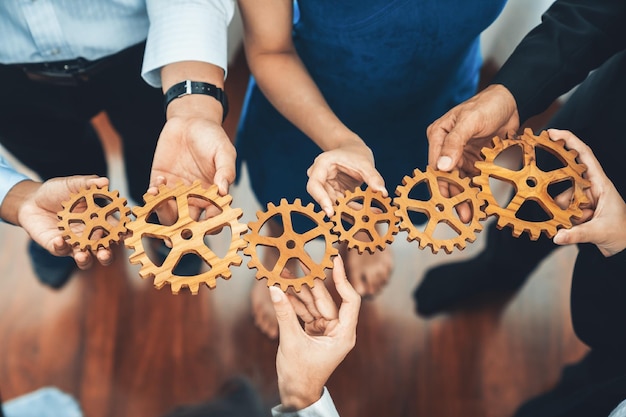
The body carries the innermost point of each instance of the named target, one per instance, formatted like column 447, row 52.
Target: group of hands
column 312, row 322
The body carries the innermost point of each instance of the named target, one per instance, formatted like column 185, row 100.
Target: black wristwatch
column 196, row 87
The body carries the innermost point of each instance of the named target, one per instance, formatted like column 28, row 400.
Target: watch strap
column 187, row 87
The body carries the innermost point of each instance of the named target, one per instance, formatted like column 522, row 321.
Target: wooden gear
column 101, row 226
column 373, row 208
column 531, row 183
column 186, row 236
column 290, row 245
column 439, row 209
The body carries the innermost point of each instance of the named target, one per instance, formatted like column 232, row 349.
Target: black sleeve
column 575, row 37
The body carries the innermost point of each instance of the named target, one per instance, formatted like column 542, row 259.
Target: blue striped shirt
column 33, row 31
column 8, row 178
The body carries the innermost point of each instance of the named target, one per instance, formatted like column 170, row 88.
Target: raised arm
column 283, row 78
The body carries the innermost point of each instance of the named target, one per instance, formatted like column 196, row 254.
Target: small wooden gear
column 102, row 212
column 364, row 210
column 439, row 209
column 531, row 183
column 290, row 245
column 186, row 235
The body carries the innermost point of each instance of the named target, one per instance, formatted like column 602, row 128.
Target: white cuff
column 324, row 407
column 186, row 31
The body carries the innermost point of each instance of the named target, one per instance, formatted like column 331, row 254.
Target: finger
column 351, row 300
column 578, row 234
column 374, row 180
column 451, row 150
column 306, row 297
column 300, row 309
column 585, row 154
column 76, row 182
column 83, row 259
column 315, row 187
column 60, row 247
column 288, row 324
column 324, row 302
column 105, row 256
column 224, row 170
column 436, row 133
column 564, row 199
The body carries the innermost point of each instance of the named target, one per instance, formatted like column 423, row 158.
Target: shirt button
column 55, row 51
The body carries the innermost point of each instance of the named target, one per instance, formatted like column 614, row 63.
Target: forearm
column 288, row 86
column 14, row 201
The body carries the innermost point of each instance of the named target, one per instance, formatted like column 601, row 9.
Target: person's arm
column 280, row 74
column 187, row 40
column 574, row 37
column 604, row 220
column 307, row 357
column 33, row 206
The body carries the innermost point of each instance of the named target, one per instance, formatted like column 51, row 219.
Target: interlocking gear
column 102, row 212
column 364, row 210
column 531, row 183
column 439, row 209
column 290, row 245
column 186, row 236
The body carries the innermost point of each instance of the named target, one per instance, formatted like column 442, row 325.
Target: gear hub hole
column 531, row 182
column 186, row 234
column 365, row 218
column 439, row 207
column 291, row 244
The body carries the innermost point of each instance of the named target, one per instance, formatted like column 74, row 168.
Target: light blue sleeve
column 620, row 410
column 8, row 178
column 324, row 407
column 45, row 402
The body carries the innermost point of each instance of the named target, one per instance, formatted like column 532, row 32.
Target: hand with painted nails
column 604, row 219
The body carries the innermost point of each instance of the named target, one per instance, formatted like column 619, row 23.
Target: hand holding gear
column 531, row 183
column 94, row 218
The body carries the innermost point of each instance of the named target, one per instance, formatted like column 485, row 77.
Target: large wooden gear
column 290, row 245
column 186, row 235
column 364, row 210
column 531, row 183
column 102, row 212
column 439, row 209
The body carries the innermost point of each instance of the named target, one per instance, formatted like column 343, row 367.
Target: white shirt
column 8, row 178
column 324, row 407
column 620, row 410
column 57, row 30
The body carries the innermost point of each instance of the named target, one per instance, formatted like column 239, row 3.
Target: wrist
column 195, row 106
column 15, row 199
column 298, row 393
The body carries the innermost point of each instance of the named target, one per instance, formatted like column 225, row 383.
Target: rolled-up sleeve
column 186, row 31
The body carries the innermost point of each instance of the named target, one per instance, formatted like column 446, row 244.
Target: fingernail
column 276, row 294
column 444, row 163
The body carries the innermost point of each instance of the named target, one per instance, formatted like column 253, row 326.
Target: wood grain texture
column 125, row 349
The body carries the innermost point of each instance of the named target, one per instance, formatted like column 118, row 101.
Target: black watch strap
column 196, row 87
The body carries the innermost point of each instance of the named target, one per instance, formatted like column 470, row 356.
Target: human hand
column 604, row 220
column 307, row 357
column 37, row 214
column 343, row 168
column 456, row 138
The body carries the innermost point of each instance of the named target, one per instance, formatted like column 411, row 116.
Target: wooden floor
column 123, row 348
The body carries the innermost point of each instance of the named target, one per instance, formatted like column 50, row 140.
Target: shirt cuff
column 8, row 178
column 324, row 407
column 181, row 31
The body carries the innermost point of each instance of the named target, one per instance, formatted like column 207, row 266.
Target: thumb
column 451, row 149
column 288, row 324
column 578, row 234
